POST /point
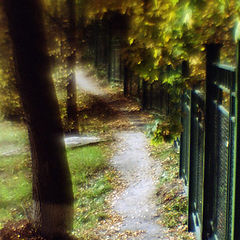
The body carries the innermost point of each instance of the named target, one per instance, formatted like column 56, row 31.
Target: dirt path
column 136, row 204
column 134, row 209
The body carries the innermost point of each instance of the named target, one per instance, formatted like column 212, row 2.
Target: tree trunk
column 52, row 187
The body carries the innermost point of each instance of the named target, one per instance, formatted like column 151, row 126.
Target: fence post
column 190, row 166
column 115, row 71
column 125, row 81
column 185, row 73
column 237, row 151
column 138, row 87
column 144, row 94
column 151, row 96
column 130, row 83
column 212, row 55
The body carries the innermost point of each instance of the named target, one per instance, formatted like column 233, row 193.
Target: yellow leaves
column 148, row 23
column 174, row 2
column 188, row 20
column 167, row 38
column 130, row 40
column 237, row 31
column 172, row 15
column 156, row 52
column 156, row 3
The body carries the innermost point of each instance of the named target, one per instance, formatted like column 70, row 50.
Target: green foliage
column 162, row 33
column 10, row 106
column 165, row 129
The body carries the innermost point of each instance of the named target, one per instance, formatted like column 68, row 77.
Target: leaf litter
column 117, row 114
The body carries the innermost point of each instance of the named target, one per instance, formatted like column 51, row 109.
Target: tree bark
column 52, row 186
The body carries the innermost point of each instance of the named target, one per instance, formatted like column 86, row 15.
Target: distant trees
column 159, row 33
column 52, row 187
column 72, row 115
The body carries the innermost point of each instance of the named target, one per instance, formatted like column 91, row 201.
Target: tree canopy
column 159, row 34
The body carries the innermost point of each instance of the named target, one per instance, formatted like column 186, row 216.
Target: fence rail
column 209, row 152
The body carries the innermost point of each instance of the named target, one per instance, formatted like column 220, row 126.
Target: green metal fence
column 152, row 95
column 196, row 164
column 220, row 155
column 209, row 152
column 156, row 97
column 185, row 136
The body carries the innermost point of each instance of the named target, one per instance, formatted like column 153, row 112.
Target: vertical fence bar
column 150, row 95
column 185, row 121
column 191, row 162
column 212, row 55
column 125, row 81
column 131, row 84
column 236, row 228
column 185, row 136
column 144, row 94
column 196, row 163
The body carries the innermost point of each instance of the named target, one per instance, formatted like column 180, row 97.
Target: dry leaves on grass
column 19, row 230
column 171, row 194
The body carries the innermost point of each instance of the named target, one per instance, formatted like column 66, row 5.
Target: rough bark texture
column 52, row 187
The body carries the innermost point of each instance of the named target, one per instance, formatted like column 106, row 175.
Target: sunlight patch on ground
column 88, row 84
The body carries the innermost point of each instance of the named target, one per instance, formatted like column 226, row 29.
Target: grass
column 15, row 174
column 91, row 182
column 91, row 177
column 171, row 198
column 13, row 137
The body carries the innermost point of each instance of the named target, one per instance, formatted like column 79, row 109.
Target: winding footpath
column 136, row 204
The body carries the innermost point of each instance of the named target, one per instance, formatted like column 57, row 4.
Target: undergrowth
column 91, row 177
column 91, row 182
column 170, row 193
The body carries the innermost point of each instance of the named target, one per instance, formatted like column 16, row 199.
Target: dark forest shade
column 52, row 187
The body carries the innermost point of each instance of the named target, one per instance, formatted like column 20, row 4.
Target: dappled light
column 88, row 84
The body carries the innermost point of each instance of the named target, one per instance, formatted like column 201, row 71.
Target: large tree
column 52, row 187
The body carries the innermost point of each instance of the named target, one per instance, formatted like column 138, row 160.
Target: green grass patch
column 91, row 179
column 13, row 137
column 15, row 173
column 15, row 187
column 91, row 182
